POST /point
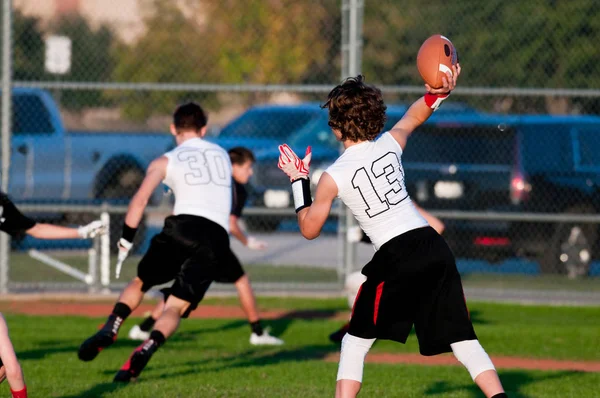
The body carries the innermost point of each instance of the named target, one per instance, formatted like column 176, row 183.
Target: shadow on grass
column 278, row 325
column 512, row 381
column 253, row 358
column 98, row 391
column 47, row 348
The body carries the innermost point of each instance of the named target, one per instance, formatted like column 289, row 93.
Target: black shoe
column 338, row 335
column 92, row 346
column 136, row 362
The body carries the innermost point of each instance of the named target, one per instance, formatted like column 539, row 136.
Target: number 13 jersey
column 199, row 174
column 370, row 181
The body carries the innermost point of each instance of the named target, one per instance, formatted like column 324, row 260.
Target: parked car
column 263, row 126
column 51, row 165
column 465, row 160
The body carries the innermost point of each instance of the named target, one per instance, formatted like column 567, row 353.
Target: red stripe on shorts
column 377, row 299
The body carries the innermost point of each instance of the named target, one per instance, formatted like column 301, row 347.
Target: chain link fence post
column 352, row 21
column 6, row 134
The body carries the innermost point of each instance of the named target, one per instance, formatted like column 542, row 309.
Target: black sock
column 148, row 323
column 158, row 337
column 115, row 320
column 501, row 395
column 257, row 328
column 122, row 310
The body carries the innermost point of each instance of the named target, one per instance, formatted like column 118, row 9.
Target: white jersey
column 199, row 174
column 370, row 181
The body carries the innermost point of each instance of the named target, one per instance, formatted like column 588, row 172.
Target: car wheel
column 571, row 247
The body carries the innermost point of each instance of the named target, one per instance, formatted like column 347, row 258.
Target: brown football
column 436, row 56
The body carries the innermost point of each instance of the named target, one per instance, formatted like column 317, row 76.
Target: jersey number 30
column 383, row 186
column 205, row 167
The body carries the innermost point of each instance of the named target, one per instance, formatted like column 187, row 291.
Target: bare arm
column 12, row 369
column 236, row 231
column 311, row 219
column 419, row 111
column 433, row 221
column 154, row 175
column 49, row 231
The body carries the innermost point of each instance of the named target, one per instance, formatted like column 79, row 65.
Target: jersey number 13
column 382, row 186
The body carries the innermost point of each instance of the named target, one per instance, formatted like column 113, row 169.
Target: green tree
column 229, row 41
column 28, row 48
column 501, row 43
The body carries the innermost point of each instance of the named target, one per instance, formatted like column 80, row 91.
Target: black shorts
column 412, row 279
column 193, row 251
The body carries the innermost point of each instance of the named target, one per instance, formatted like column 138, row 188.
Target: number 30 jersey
column 370, row 181
column 199, row 174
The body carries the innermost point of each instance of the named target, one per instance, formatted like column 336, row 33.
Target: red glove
column 292, row 165
column 435, row 100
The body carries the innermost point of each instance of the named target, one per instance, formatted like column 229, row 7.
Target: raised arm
column 422, row 108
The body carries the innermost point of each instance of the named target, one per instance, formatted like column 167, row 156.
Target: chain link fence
column 509, row 163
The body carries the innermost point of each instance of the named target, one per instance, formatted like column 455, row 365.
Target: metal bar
column 447, row 214
column 97, row 209
column 525, row 217
column 496, row 91
column 302, row 88
column 354, row 68
column 5, row 124
column 60, row 266
column 241, row 88
column 105, row 253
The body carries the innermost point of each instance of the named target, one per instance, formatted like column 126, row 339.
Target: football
column 436, row 57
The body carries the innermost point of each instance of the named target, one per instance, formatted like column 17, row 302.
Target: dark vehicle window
column 589, row 146
column 30, row 116
column 317, row 132
column 471, row 145
column 263, row 123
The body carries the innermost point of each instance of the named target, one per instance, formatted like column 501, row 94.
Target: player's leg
column 443, row 323
column 142, row 330
column 259, row 335
column 191, row 283
column 230, row 271
column 153, row 270
column 165, row 326
column 352, row 361
column 129, row 299
column 472, row 355
column 367, row 322
column 10, row 368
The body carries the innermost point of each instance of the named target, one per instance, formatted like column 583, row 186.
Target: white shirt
column 199, row 174
column 370, row 181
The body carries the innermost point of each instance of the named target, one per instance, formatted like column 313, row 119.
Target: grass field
column 212, row 358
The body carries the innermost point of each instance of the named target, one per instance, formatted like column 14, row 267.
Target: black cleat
column 136, row 362
column 92, row 346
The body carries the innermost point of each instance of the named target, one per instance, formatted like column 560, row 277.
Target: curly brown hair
column 356, row 109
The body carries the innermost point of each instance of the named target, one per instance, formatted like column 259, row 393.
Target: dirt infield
column 88, row 309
